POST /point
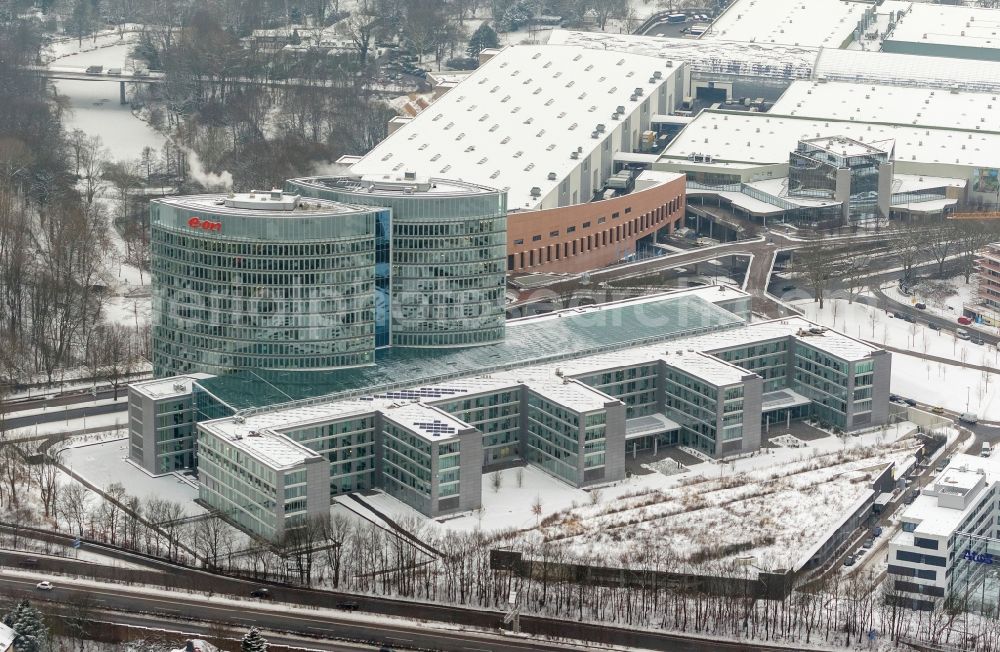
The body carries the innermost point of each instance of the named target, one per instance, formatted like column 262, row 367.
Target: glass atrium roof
column 561, row 335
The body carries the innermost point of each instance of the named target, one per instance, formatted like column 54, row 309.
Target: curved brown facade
column 588, row 236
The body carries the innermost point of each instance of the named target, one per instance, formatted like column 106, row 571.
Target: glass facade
column 813, row 172
column 349, row 446
column 449, row 252
column 264, row 289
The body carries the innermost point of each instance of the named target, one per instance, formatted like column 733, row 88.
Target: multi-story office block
column 162, row 423
column 950, row 539
column 266, row 281
column 263, row 482
column 571, row 393
column 449, row 247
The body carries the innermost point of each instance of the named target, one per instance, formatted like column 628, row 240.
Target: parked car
column 262, row 593
column 348, row 605
column 934, row 327
column 911, row 496
column 976, row 339
column 937, row 409
column 877, row 532
column 28, row 562
column 115, row 72
column 920, row 306
column 986, row 450
column 910, row 402
column 964, row 321
column 44, row 585
column 849, row 561
column 895, row 398
column 969, row 418
column 95, row 70
column 869, row 542
column 962, row 334
column 897, row 314
column 910, row 319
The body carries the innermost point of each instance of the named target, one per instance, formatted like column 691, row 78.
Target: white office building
column 949, row 539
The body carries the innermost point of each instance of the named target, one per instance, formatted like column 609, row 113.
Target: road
column 13, row 422
column 331, row 624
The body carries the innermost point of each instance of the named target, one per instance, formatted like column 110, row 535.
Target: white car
column 44, row 585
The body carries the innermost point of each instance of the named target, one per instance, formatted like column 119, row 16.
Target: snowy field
column 968, row 389
column 754, row 504
column 104, row 463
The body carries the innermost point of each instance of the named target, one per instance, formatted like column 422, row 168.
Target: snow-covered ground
column 944, row 297
column 949, row 385
column 104, row 463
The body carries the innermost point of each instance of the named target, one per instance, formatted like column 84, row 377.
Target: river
column 94, row 105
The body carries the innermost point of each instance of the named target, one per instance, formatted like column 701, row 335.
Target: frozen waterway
column 94, row 106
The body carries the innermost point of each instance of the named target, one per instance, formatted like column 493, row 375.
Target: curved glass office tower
column 449, row 253
column 266, row 281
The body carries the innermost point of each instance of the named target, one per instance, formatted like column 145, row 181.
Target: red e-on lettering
column 205, row 225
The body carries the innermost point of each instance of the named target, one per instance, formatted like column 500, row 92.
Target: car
column 44, row 585
column 909, row 318
column 986, row 450
column 969, row 418
column 877, row 532
column 115, row 72
column 975, row 339
column 934, row 327
column 910, row 402
column 262, row 593
column 964, row 321
column 920, row 306
column 962, row 334
column 849, row 560
column 910, row 497
column 95, row 70
column 28, row 562
column 897, row 314
column 937, row 409
column 895, row 398
column 347, row 605
column 869, row 542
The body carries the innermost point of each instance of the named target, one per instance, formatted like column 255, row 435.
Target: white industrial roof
column 932, row 24
column 917, row 182
column 514, row 122
column 768, row 138
column 907, row 70
column 933, row 107
column 818, row 23
column 717, row 56
column 168, row 387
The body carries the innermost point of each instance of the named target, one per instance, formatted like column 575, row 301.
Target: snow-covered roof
column 513, row 123
column 844, row 147
column 705, row 367
column 778, row 187
column 269, row 448
column 881, row 102
column 716, row 56
column 167, row 387
column 907, row 70
column 649, row 424
column 569, row 393
column 261, row 203
column 931, row 24
column 7, row 636
column 964, row 472
column 818, row 23
column 768, row 138
column 916, row 182
column 740, row 200
column 424, row 420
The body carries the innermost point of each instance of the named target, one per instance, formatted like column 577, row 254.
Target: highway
column 13, row 422
column 153, row 608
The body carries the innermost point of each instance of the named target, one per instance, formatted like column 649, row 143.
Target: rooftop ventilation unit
column 637, row 91
column 657, row 74
column 409, row 176
column 574, row 155
column 620, row 108
column 275, row 194
column 600, row 128
column 595, row 134
column 552, row 176
column 179, row 387
column 536, row 192
column 614, row 116
column 239, row 419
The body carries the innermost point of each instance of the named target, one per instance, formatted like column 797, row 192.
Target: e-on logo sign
column 205, row 225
